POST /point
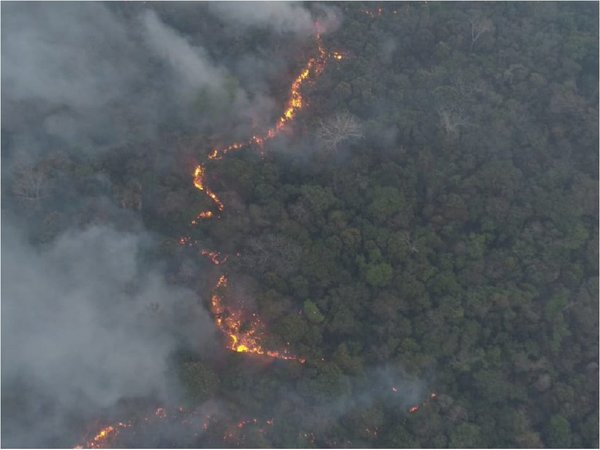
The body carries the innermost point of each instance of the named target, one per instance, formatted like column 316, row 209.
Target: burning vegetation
column 244, row 331
column 311, row 70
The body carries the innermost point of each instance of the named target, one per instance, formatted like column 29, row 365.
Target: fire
column 215, row 257
column 313, row 68
column 199, row 177
column 199, row 184
column 202, row 215
column 244, row 334
column 105, row 436
column 185, row 241
column 415, row 408
column 234, row 431
column 222, row 281
column 374, row 13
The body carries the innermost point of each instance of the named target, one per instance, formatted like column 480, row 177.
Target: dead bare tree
column 410, row 243
column 339, row 128
column 451, row 120
column 479, row 25
column 29, row 184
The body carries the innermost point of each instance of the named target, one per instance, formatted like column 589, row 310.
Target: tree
column 465, row 435
column 199, row 380
column 29, row 184
column 378, row 275
column 558, row 432
column 479, row 26
column 337, row 129
column 312, row 312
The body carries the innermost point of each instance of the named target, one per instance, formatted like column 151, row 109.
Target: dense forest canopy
column 425, row 231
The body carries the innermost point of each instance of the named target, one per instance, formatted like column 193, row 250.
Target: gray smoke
column 86, row 322
column 279, row 16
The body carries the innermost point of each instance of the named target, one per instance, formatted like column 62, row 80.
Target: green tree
column 378, row 275
column 312, row 312
column 558, row 432
column 199, row 381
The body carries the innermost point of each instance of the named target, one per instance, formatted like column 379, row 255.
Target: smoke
column 86, row 323
column 191, row 66
column 92, row 76
column 67, row 70
column 281, row 17
column 89, row 321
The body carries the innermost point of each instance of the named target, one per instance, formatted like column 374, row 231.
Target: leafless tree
column 479, row 25
column 451, row 120
column 410, row 243
column 341, row 127
column 130, row 197
column 29, row 184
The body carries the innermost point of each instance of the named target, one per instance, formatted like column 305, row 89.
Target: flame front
column 215, row 257
column 105, row 436
column 199, row 184
column 313, row 67
column 244, row 334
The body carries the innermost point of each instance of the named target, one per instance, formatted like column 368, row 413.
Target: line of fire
column 244, row 332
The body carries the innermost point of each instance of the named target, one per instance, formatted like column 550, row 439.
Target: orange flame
column 313, row 67
column 230, row 321
column 185, row 241
column 105, row 436
column 199, row 184
column 215, row 257
column 201, row 216
column 244, row 334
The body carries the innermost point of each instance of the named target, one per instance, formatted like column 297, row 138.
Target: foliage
column 459, row 240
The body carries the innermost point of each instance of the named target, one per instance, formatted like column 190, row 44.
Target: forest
column 419, row 240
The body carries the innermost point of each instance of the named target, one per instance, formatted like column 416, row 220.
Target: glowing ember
column 199, row 184
column 313, row 68
column 244, row 334
column 373, row 13
column 222, row 281
column 105, row 436
column 202, row 215
column 215, row 257
column 185, row 241
column 232, row 322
